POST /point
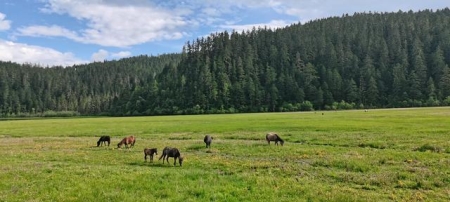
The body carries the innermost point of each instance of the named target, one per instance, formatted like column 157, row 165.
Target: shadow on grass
column 195, row 147
column 104, row 148
column 243, row 138
column 180, row 138
column 154, row 164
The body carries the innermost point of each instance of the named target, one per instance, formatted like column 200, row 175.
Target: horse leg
column 174, row 161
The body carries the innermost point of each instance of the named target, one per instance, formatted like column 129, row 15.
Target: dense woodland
column 82, row 89
column 364, row 60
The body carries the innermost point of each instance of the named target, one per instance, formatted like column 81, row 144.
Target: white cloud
column 4, row 24
column 112, row 24
column 102, row 55
column 23, row 53
column 99, row 56
column 271, row 25
column 121, row 54
column 48, row 31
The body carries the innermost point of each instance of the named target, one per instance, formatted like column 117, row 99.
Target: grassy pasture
column 380, row 155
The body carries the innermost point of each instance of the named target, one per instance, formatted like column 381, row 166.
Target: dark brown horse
column 104, row 139
column 171, row 152
column 274, row 137
column 150, row 152
column 208, row 139
column 130, row 140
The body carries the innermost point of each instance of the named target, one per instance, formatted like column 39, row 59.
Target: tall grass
column 379, row 155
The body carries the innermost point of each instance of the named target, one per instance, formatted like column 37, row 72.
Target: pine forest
column 357, row 61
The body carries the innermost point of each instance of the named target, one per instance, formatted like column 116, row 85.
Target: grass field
column 379, row 155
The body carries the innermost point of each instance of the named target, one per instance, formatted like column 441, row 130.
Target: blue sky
column 67, row 32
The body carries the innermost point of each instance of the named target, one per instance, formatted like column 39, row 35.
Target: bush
column 431, row 102
column 306, row 106
column 51, row 113
column 446, row 101
column 415, row 103
column 288, row 107
column 345, row 105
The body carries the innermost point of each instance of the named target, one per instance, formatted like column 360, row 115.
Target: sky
column 68, row 32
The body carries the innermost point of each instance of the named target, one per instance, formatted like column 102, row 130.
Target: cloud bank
column 23, row 53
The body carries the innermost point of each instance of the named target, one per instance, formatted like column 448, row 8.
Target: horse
column 130, row 140
column 150, row 152
column 208, row 139
column 104, row 139
column 171, row 152
column 274, row 137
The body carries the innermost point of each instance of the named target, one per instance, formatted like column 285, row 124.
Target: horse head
column 180, row 160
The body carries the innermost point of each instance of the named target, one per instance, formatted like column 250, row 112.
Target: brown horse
column 274, row 137
column 150, row 152
column 171, row 152
column 104, row 140
column 130, row 140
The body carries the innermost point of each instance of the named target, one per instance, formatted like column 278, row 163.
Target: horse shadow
column 148, row 164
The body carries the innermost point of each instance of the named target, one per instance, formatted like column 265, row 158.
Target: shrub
column 51, row 113
column 306, row 106
column 446, row 101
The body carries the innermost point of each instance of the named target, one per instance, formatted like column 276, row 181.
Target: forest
column 357, row 61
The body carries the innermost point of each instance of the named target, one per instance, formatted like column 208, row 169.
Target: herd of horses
column 171, row 151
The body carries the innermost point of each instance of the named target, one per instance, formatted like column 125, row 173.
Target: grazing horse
column 130, row 140
column 274, row 137
column 171, row 152
column 208, row 139
column 104, row 139
column 150, row 152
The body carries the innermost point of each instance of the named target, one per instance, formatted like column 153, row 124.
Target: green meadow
column 379, row 155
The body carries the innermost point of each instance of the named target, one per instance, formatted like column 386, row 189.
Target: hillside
column 364, row 60
column 87, row 89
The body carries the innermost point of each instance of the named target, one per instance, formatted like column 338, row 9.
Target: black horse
column 150, row 152
column 104, row 139
column 208, row 139
column 171, row 152
column 274, row 137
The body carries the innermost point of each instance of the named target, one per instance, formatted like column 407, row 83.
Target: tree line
column 90, row 89
column 364, row 60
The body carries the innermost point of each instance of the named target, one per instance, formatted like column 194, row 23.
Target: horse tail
column 163, row 154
